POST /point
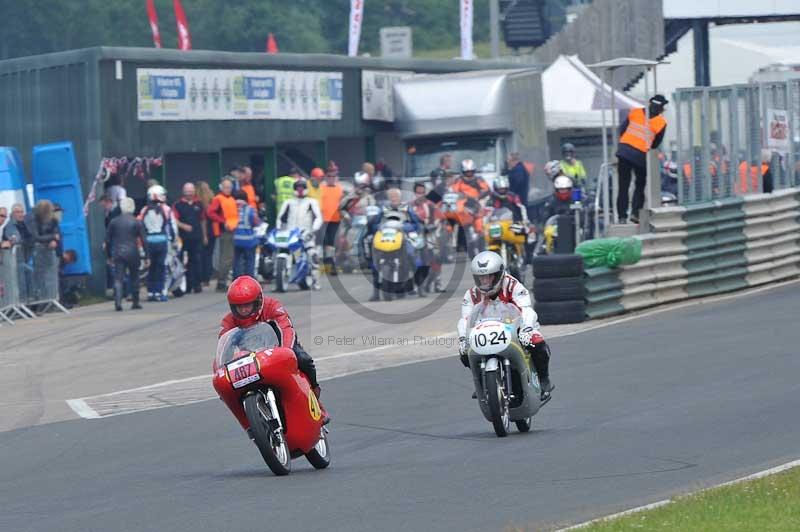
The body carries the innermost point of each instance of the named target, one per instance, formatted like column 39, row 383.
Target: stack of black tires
column 558, row 289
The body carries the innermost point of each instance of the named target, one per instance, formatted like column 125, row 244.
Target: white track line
column 80, row 407
column 664, row 502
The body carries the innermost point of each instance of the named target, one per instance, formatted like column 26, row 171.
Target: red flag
column 184, row 38
column 151, row 14
column 272, row 44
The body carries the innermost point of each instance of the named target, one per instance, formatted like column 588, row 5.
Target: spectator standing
column 330, row 198
column 284, row 188
column 45, row 235
column 244, row 238
column 9, row 235
column 116, row 190
column 315, row 184
column 224, row 215
column 427, row 277
column 159, row 233
column 17, row 224
column 191, row 220
column 246, row 184
column 124, row 236
column 205, row 196
column 518, row 177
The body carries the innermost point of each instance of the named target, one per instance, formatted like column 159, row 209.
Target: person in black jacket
column 123, row 238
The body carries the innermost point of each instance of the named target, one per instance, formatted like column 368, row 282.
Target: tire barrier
column 558, row 289
column 704, row 249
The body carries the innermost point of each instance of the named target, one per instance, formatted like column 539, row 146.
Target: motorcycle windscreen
column 494, row 310
column 238, row 342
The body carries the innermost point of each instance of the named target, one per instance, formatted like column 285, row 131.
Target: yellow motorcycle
column 506, row 238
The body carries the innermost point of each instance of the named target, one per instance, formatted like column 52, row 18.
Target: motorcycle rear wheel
column 498, row 406
column 273, row 448
column 320, row 455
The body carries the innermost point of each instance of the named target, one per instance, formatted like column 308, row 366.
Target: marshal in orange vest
column 638, row 134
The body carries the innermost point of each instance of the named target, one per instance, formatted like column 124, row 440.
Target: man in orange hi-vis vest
column 639, row 133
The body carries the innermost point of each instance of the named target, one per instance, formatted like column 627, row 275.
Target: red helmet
column 244, row 290
column 317, row 173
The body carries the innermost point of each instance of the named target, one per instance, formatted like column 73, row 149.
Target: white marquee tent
column 574, row 96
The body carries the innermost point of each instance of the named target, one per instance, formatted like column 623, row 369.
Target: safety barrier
column 28, row 287
column 704, row 249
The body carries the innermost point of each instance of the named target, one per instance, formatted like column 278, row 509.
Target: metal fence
column 28, row 285
column 737, row 139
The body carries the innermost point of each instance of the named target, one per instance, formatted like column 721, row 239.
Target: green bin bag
column 610, row 252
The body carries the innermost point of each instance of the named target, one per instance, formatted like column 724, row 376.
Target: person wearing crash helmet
column 469, row 183
column 493, row 283
column 302, row 212
column 249, row 306
column 572, row 166
column 561, row 200
column 503, row 198
column 160, row 233
column 553, row 169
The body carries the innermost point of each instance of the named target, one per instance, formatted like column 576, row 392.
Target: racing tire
column 279, row 462
column 553, row 266
column 304, row 284
column 558, row 289
column 560, row 312
column 320, row 455
column 524, row 425
column 498, row 406
column 388, row 289
column 281, row 275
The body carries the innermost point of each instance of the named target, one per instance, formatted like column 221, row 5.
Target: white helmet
column 563, row 186
column 501, row 185
column 467, row 165
column 157, row 193
column 487, row 271
column 552, row 169
column 361, row 180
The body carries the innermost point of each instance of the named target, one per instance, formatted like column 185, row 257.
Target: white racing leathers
column 304, row 213
column 511, row 291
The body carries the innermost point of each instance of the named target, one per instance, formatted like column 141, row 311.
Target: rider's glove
column 462, row 351
column 517, row 229
column 529, row 336
column 462, row 346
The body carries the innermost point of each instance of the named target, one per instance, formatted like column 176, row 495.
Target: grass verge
column 767, row 504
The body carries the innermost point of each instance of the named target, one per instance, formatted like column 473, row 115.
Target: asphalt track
column 644, row 409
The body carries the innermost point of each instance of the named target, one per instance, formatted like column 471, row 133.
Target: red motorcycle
column 259, row 382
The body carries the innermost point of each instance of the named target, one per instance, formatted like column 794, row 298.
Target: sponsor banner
column 184, row 94
column 778, row 130
column 377, row 95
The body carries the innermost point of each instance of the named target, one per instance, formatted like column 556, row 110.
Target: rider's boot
column 325, row 417
column 540, row 356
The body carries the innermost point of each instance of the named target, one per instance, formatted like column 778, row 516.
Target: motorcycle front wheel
column 320, row 455
column 498, row 406
column 281, row 275
column 271, row 444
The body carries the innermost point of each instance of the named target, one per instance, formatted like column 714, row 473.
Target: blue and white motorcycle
column 284, row 259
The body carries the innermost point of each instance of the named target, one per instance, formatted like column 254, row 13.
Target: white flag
column 356, row 16
column 466, row 28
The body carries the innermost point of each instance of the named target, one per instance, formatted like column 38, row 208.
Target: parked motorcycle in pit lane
column 461, row 213
column 506, row 386
column 284, row 259
column 391, row 258
column 261, row 385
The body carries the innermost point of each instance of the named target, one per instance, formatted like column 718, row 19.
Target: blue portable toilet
column 12, row 179
column 56, row 178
